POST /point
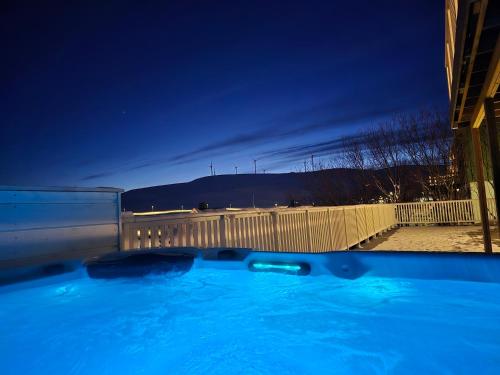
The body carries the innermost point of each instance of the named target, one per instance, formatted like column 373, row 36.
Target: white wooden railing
column 443, row 212
column 293, row 229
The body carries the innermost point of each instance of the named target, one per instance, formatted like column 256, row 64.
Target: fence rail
column 297, row 230
column 443, row 212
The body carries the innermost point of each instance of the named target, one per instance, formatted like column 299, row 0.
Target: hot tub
column 350, row 313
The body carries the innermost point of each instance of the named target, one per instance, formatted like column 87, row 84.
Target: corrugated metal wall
column 46, row 224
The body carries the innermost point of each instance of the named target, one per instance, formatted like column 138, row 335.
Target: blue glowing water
column 212, row 321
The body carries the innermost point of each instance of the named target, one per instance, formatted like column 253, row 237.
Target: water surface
column 211, row 321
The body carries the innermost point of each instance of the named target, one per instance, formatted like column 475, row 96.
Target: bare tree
column 354, row 156
column 383, row 144
column 405, row 158
column 426, row 141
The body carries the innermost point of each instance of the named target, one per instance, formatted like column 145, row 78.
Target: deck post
column 222, row 230
column 232, row 231
column 345, row 230
column 308, row 232
column 478, row 158
column 330, row 229
column 357, row 231
column 276, row 236
column 489, row 109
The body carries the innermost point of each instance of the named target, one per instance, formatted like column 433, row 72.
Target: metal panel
column 34, row 242
column 66, row 197
column 21, row 216
column 47, row 224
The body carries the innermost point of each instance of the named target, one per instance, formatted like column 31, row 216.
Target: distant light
column 162, row 212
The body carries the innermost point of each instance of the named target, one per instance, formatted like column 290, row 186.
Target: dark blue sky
column 137, row 93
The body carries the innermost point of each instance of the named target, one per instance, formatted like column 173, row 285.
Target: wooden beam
column 460, row 36
column 490, row 86
column 478, row 157
column 475, row 44
column 489, row 108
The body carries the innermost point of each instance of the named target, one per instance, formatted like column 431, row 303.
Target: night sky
column 137, row 93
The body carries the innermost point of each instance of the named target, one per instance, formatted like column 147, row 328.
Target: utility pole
column 211, row 169
column 236, row 169
column 305, row 165
column 312, row 163
column 255, row 166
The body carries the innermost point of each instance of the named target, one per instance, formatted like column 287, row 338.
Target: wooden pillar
column 330, row 229
column 478, row 158
column 222, row 231
column 489, row 111
column 308, row 232
column 276, row 231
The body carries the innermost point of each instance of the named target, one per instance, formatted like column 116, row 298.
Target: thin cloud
column 97, row 175
column 274, row 134
column 285, row 155
column 337, row 114
column 260, row 137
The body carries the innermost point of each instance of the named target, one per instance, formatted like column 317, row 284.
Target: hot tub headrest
column 138, row 264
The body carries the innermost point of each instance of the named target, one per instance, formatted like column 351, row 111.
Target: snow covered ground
column 434, row 238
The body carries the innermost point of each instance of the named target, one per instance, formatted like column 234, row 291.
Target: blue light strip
column 270, row 266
